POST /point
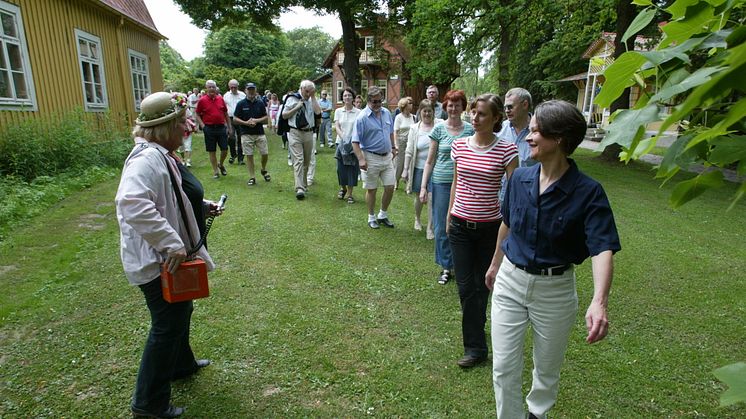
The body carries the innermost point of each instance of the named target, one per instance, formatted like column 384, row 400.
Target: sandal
column 341, row 194
column 251, row 182
column 266, row 175
column 444, row 277
column 350, row 200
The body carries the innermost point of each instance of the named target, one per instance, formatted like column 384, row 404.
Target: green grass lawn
column 313, row 314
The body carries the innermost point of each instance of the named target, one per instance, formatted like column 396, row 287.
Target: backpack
column 282, row 123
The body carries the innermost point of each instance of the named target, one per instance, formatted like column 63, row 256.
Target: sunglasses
column 375, row 101
column 508, row 107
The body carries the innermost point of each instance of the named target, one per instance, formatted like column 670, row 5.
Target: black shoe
column 222, row 170
column 300, row 195
column 385, row 222
column 241, row 163
column 231, row 160
column 532, row 416
column 469, row 361
column 171, row 412
column 373, row 225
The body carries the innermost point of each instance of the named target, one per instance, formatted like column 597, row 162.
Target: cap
column 250, row 86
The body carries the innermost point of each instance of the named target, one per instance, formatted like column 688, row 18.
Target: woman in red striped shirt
column 474, row 217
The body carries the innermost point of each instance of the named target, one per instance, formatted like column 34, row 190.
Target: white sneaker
column 309, row 182
column 321, row 145
column 290, row 162
column 189, row 163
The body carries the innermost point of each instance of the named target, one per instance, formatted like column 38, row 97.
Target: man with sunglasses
column 515, row 127
column 374, row 145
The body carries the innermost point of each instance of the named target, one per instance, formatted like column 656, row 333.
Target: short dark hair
column 352, row 92
column 455, row 96
column 561, row 120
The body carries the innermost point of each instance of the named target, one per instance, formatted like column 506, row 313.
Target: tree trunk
column 503, row 58
column 351, row 64
column 625, row 14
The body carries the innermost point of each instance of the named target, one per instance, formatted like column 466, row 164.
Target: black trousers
column 167, row 354
column 472, row 253
column 234, row 143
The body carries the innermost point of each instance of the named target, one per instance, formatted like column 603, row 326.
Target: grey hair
column 209, row 83
column 305, row 84
column 374, row 91
column 521, row 93
column 233, row 81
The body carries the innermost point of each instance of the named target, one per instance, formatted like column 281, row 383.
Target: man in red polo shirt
column 212, row 117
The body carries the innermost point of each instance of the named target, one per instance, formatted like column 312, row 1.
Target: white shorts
column 186, row 145
column 378, row 167
column 249, row 142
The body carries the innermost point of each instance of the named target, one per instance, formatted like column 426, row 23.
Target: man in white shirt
column 300, row 136
column 231, row 99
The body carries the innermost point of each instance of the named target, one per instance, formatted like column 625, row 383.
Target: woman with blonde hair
column 158, row 229
column 402, row 122
column 415, row 157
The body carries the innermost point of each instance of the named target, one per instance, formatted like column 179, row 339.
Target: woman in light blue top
column 438, row 172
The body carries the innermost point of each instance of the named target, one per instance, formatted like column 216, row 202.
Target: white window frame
column 14, row 103
column 140, row 77
column 369, row 40
column 340, row 90
column 99, row 103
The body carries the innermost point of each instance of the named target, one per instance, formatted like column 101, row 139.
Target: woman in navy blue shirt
column 554, row 217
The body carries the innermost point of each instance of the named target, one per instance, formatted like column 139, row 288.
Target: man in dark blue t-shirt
column 250, row 115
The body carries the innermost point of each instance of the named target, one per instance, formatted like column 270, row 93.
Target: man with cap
column 231, row 100
column 212, row 118
column 250, row 115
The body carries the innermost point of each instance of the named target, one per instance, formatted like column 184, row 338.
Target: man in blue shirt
column 375, row 147
column 325, row 130
column 250, row 114
column 515, row 128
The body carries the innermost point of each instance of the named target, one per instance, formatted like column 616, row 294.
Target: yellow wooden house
column 58, row 55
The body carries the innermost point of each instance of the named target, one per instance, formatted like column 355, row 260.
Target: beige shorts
column 378, row 167
column 249, row 142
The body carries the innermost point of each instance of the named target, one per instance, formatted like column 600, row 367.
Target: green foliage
column 735, row 376
column 698, row 67
column 279, row 76
column 60, row 143
column 176, row 73
column 244, row 46
column 308, row 49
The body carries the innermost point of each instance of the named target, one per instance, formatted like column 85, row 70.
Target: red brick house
column 382, row 64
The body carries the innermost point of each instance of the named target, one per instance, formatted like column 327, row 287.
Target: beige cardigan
column 410, row 154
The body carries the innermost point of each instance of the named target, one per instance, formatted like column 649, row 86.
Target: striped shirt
column 443, row 169
column 480, row 173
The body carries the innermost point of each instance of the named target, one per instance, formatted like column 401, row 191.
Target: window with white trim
column 140, row 77
column 340, row 90
column 92, row 71
column 16, row 83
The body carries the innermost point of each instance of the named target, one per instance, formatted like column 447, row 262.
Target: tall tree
column 176, row 74
column 245, row 46
column 308, row 49
column 625, row 13
column 212, row 14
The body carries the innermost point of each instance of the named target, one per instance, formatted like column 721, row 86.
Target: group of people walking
column 510, row 213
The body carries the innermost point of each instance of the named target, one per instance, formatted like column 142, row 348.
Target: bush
column 62, row 143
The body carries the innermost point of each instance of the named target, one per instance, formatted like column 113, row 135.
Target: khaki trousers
column 300, row 144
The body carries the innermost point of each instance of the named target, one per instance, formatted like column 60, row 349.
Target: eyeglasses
column 375, row 101
column 508, row 107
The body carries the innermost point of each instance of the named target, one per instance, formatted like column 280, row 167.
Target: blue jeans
column 325, row 131
column 167, row 354
column 441, row 196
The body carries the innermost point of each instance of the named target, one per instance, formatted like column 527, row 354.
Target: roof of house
column 642, row 43
column 135, row 10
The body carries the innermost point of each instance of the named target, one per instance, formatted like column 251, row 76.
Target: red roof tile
column 133, row 9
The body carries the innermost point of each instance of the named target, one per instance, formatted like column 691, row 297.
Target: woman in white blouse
column 348, row 168
column 415, row 157
column 402, row 123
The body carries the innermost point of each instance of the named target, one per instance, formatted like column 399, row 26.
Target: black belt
column 378, row 154
column 473, row 225
column 302, row 129
column 554, row 270
column 215, row 125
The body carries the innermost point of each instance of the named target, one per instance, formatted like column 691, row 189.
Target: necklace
column 473, row 141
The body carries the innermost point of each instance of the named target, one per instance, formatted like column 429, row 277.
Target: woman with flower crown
column 152, row 233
